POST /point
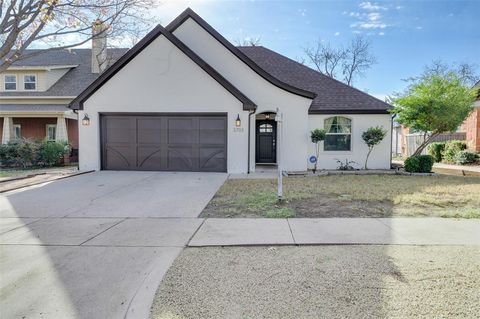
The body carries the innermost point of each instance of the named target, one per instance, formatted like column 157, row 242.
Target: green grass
column 439, row 196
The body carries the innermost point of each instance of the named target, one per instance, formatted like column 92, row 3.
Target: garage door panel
column 121, row 130
column 181, row 158
column 150, row 130
column 150, row 157
column 165, row 142
column 212, row 159
column 120, row 157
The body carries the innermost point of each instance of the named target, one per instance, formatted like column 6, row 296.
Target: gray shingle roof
column 34, row 108
column 331, row 94
column 75, row 80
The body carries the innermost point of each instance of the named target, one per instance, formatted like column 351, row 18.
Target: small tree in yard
column 373, row 136
column 317, row 135
column 434, row 103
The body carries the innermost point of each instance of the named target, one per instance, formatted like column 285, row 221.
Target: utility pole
column 279, row 120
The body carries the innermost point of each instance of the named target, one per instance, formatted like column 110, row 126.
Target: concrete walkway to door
column 96, row 245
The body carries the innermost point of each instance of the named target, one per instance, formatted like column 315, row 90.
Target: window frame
column 350, row 150
column 19, row 126
column 9, row 82
column 47, row 137
column 30, row 82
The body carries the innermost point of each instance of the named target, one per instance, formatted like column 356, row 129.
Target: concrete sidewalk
column 341, row 231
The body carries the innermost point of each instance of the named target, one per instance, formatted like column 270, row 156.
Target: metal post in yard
column 279, row 119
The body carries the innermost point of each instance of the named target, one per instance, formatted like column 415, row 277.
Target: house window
column 266, row 128
column 339, row 134
column 10, row 82
column 51, row 132
column 18, row 131
column 30, row 82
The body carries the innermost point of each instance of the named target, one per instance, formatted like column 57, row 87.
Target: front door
column 266, row 150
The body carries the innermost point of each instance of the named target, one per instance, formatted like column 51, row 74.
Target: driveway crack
column 103, row 231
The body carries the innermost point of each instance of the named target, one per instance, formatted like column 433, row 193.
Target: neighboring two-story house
column 471, row 126
column 35, row 92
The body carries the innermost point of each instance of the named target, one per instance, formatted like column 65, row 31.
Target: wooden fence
column 414, row 140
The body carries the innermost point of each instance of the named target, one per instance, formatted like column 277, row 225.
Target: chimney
column 99, row 46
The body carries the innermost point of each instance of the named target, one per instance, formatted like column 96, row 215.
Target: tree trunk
column 422, row 146
column 368, row 155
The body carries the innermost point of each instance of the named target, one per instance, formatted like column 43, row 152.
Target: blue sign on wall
column 313, row 159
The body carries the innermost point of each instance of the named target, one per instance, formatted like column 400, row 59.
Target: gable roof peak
column 189, row 13
column 77, row 103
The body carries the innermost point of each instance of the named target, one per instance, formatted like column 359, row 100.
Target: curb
column 37, row 183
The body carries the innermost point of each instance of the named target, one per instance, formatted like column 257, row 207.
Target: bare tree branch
column 61, row 24
column 325, row 58
column 249, row 41
column 342, row 63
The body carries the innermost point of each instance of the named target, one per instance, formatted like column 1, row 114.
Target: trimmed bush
column 465, row 157
column 27, row 153
column 419, row 164
column 452, row 148
column 51, row 153
column 435, row 150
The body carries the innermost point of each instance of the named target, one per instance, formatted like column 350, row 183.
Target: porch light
column 267, row 116
column 238, row 123
column 86, row 120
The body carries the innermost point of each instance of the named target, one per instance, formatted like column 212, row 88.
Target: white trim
column 47, row 126
column 15, row 131
column 5, row 82
column 340, row 152
column 45, row 68
column 29, row 82
column 20, row 97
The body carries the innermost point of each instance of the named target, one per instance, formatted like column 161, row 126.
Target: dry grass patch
column 350, row 196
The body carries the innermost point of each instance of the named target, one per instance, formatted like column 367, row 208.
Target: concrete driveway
column 96, row 245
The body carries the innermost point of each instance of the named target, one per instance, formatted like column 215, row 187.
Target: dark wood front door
column 266, row 147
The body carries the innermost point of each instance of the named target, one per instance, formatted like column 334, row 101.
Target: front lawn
column 349, row 196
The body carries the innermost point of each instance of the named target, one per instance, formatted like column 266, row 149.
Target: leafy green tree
column 373, row 136
column 434, row 103
column 317, row 135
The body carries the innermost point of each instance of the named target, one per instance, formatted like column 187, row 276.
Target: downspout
column 75, row 111
column 248, row 152
column 391, row 139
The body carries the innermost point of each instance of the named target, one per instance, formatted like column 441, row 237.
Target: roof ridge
column 327, row 77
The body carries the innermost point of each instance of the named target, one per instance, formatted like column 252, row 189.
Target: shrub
column 50, row 153
column 27, row 153
column 435, row 150
column 465, row 157
column 419, row 164
column 451, row 150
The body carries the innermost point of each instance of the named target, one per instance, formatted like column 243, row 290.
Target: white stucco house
column 186, row 99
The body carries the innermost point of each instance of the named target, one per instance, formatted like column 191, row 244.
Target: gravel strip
column 322, row 282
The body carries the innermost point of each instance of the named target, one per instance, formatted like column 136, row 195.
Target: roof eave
column 350, row 111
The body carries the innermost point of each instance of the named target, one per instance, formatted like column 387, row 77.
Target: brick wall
column 72, row 127
column 472, row 130
column 34, row 128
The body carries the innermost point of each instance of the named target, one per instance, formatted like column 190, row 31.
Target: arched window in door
column 339, row 134
column 265, row 128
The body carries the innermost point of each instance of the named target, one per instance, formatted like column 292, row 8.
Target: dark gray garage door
column 191, row 142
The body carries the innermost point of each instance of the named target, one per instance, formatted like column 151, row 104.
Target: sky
column 405, row 35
